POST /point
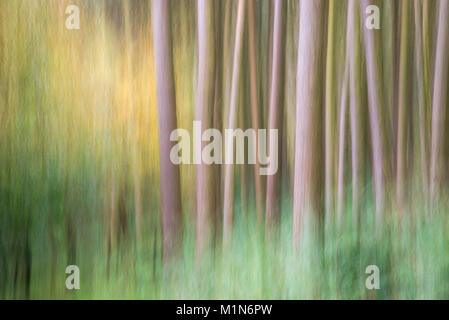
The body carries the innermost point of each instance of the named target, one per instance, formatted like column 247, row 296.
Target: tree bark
column 228, row 201
column 218, row 113
column 204, row 113
column 437, row 164
column 254, row 107
column 342, row 145
column 403, row 102
column 165, row 88
column 276, row 112
column 307, row 201
column 377, row 116
column 422, row 100
column 356, row 110
column 330, row 116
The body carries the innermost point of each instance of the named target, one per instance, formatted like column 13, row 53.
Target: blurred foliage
column 78, row 132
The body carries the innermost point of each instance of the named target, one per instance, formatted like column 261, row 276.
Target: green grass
column 412, row 258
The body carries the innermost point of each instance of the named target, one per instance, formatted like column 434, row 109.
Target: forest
column 352, row 96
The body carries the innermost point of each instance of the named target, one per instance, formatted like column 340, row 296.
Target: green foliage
column 410, row 255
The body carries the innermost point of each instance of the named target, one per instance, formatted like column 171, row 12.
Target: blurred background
column 363, row 149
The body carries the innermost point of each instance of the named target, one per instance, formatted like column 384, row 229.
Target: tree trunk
column 330, row 116
column 254, row 108
column 276, row 112
column 356, row 110
column 437, row 164
column 204, row 113
column 218, row 113
column 422, row 100
column 165, row 88
column 228, row 201
column 307, row 201
column 342, row 145
column 403, row 102
column 377, row 116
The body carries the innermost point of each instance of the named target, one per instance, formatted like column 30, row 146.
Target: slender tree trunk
column 254, row 108
column 227, row 61
column 378, row 124
column 226, row 86
column 307, row 201
column 356, row 109
column 403, row 102
column 393, row 81
column 242, row 124
column 427, row 47
column 218, row 115
column 430, row 33
column 244, row 189
column 422, row 100
column 165, row 87
column 342, row 145
column 204, row 113
column 228, row 201
column 330, row 116
column 273, row 201
column 269, row 64
column 389, row 37
column 437, row 164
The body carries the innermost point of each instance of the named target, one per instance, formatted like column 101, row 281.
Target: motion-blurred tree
column 170, row 188
column 309, row 161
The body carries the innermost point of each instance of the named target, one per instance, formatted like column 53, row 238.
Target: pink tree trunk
column 165, row 87
column 309, row 162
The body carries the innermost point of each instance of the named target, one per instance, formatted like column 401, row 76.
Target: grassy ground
column 412, row 258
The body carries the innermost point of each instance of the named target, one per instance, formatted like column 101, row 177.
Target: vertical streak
column 254, row 107
column 422, row 101
column 402, row 106
column 166, row 103
column 341, row 144
column 204, row 113
column 437, row 167
column 377, row 116
column 228, row 201
column 307, row 201
column 273, row 201
column 356, row 111
column 330, row 116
